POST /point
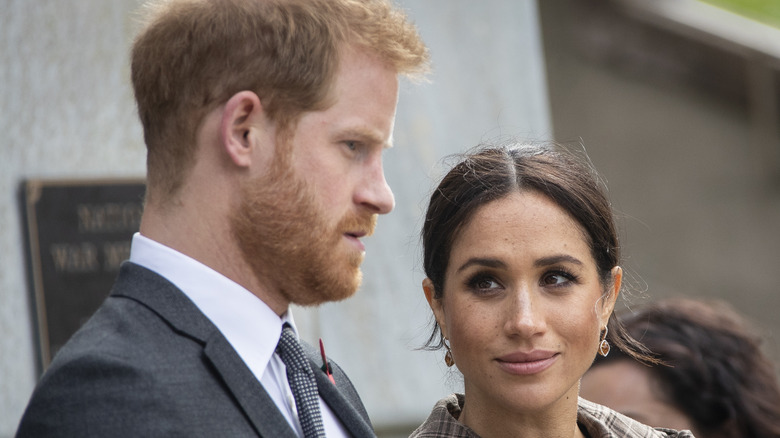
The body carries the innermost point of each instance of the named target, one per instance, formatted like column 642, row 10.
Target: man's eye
column 351, row 145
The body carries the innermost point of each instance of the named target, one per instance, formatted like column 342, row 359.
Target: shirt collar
column 251, row 327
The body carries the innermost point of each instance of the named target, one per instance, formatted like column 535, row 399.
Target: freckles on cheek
column 466, row 322
column 480, row 318
column 578, row 327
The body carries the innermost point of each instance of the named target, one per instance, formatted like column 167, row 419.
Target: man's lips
column 527, row 363
column 354, row 237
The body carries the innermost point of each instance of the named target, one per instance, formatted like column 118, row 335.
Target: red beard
column 280, row 230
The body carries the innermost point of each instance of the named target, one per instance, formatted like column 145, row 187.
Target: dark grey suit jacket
column 149, row 363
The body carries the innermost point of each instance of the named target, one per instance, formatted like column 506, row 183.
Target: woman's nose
column 524, row 314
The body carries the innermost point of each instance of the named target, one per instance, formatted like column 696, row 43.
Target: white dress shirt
column 251, row 327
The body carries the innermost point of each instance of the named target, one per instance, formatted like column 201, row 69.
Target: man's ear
column 436, row 305
column 242, row 119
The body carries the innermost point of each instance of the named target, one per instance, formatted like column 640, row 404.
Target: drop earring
column 604, row 345
column 448, row 355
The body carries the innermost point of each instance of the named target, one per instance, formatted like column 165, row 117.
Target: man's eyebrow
column 552, row 260
column 488, row 262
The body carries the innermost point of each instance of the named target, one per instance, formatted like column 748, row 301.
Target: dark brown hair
column 491, row 172
column 192, row 55
column 717, row 373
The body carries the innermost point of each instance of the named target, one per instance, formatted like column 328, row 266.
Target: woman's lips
column 527, row 363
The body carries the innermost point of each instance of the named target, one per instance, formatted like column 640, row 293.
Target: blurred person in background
column 714, row 378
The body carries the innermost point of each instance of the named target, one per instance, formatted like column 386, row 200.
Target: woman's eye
column 483, row 284
column 557, row 279
column 487, row 284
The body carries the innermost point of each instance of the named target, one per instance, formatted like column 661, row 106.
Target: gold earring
column 448, row 359
column 604, row 345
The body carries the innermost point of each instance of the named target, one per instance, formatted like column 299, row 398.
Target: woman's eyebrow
column 552, row 260
column 490, row 263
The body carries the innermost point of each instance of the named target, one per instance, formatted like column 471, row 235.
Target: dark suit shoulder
column 103, row 382
column 130, row 372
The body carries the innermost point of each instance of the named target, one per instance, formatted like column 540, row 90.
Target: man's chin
column 335, row 290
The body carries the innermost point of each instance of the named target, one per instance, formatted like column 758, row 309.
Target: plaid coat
column 599, row 422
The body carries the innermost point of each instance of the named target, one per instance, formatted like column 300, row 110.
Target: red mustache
column 358, row 224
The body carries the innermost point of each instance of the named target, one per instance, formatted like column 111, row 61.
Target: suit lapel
column 342, row 398
column 347, row 413
column 249, row 393
column 165, row 299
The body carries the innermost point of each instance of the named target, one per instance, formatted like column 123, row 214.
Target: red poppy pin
column 325, row 364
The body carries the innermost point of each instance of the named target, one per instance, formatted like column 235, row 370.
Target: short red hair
column 193, row 55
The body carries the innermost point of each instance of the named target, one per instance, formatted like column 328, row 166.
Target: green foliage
column 764, row 11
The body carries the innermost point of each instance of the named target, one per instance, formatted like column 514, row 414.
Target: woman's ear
column 608, row 304
column 436, row 305
column 241, row 117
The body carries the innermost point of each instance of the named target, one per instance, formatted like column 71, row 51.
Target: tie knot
column 302, row 383
column 289, row 349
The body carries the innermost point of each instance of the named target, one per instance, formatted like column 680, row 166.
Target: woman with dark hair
column 714, row 379
column 521, row 257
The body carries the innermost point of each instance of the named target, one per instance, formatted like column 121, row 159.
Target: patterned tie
column 302, row 383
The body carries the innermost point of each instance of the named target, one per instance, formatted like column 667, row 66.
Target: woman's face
column 522, row 306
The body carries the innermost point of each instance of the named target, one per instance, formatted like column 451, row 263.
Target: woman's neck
column 488, row 421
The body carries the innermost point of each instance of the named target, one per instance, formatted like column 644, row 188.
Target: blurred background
column 676, row 102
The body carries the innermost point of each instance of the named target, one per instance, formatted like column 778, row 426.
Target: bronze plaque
column 78, row 233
